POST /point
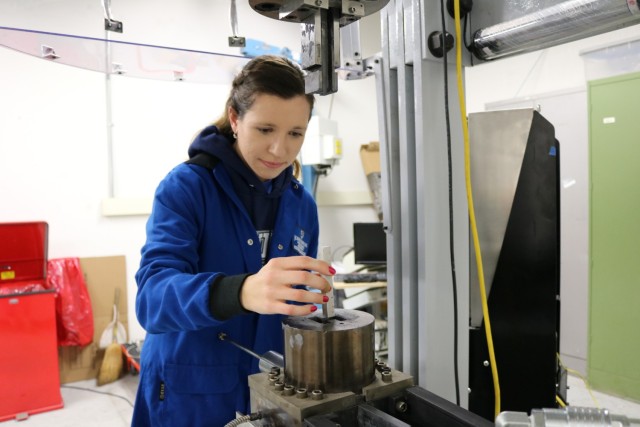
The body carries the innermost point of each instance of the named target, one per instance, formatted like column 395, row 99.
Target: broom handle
column 116, row 301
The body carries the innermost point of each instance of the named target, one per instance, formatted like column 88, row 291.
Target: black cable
column 469, row 46
column 97, row 391
column 451, row 252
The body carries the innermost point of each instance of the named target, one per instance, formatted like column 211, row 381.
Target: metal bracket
column 117, row 68
column 178, row 76
column 237, row 41
column 300, row 10
column 354, row 8
column 47, row 52
column 321, row 21
column 352, row 66
column 321, row 52
column 112, row 25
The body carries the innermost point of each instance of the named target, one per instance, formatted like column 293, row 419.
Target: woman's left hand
column 268, row 291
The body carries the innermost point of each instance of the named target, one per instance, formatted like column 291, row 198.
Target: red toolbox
column 28, row 343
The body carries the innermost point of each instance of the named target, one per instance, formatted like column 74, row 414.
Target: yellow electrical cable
column 560, row 402
column 579, row 375
column 472, row 215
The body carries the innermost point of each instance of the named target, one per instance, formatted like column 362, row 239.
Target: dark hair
column 266, row 74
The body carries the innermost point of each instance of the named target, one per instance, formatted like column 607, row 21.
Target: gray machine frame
column 414, row 157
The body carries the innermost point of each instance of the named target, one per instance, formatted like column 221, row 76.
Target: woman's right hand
column 268, row 291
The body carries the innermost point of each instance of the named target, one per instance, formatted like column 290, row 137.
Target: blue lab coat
column 199, row 229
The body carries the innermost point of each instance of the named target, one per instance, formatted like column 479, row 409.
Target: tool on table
column 268, row 360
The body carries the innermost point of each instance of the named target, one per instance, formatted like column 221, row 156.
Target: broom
column 111, row 367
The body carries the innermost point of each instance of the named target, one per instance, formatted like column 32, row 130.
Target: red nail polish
column 332, row 270
column 325, row 298
column 313, row 308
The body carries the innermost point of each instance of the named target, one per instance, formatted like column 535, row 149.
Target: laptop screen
column 369, row 243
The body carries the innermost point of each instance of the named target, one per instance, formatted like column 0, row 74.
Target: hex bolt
column 386, row 376
column 273, row 381
column 318, row 2
column 301, row 393
column 317, row 395
column 289, row 390
column 275, row 370
column 279, row 385
column 401, row 406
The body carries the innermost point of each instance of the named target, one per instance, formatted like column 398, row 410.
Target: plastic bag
column 74, row 316
column 28, row 288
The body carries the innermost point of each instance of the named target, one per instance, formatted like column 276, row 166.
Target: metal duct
column 562, row 23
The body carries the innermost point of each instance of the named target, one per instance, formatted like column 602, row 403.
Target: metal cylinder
column 577, row 416
column 333, row 356
column 561, row 23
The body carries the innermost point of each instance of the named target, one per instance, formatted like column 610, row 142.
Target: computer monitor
column 369, row 243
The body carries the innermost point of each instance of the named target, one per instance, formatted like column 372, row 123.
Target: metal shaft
column 267, row 361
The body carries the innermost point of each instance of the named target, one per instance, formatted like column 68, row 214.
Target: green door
column 614, row 329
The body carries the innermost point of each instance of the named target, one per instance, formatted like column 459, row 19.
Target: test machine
column 431, row 349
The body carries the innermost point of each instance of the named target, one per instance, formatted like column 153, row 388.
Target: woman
column 230, row 234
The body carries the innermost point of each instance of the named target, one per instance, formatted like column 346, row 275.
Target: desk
column 373, row 297
column 345, row 285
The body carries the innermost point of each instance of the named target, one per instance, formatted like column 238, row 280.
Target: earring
column 235, row 135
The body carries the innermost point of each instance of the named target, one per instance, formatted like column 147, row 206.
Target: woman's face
column 271, row 132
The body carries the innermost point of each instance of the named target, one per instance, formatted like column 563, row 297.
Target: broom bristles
column 111, row 367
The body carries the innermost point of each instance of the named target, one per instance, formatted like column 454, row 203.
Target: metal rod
column 223, row 337
column 274, row 359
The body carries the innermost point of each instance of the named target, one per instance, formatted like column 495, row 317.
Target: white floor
column 89, row 406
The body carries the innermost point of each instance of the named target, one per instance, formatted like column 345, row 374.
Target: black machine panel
column 523, row 300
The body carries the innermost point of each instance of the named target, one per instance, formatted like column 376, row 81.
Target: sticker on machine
column 608, row 120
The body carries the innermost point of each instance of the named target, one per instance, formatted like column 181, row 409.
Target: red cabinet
column 29, row 376
column 29, row 356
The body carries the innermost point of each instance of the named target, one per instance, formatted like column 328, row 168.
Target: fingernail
column 332, row 270
column 313, row 308
column 324, row 299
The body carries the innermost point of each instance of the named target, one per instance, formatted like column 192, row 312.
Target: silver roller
column 562, row 23
column 333, row 356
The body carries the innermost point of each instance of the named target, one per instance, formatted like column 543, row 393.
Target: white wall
column 554, row 81
column 53, row 124
column 53, row 127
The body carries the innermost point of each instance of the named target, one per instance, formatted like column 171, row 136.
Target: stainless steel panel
column 498, row 140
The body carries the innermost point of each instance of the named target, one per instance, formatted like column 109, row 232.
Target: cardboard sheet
column 102, row 275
